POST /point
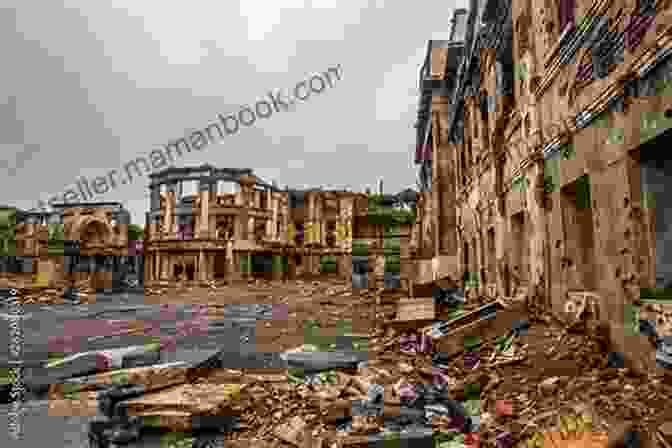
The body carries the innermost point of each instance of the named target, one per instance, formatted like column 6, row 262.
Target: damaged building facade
column 71, row 243
column 542, row 150
column 207, row 223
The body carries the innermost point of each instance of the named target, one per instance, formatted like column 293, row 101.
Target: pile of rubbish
column 79, row 292
column 429, row 374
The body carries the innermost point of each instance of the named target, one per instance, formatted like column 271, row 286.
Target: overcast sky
column 87, row 86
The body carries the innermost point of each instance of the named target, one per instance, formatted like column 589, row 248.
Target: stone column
column 269, row 228
column 238, row 226
column 204, row 191
column 212, row 224
column 170, row 210
column 274, row 222
column 539, row 224
column 202, row 268
column 164, row 266
column 250, row 228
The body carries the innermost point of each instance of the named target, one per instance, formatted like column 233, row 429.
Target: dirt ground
column 559, row 371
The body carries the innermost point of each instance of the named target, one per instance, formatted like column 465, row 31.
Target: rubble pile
column 78, row 292
column 438, row 372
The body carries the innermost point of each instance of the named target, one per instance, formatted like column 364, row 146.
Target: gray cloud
column 97, row 85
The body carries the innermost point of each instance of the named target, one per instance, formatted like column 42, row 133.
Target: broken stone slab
column 118, row 431
column 231, row 359
column 416, row 309
column 320, row 361
column 176, row 406
column 102, row 360
column 417, row 437
column 153, row 377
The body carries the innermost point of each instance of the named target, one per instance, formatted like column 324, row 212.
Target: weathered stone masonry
column 542, row 146
column 253, row 229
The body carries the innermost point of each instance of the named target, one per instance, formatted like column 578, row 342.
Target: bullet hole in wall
column 668, row 113
column 557, row 244
column 618, row 272
column 626, row 202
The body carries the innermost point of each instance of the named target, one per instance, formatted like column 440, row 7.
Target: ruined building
column 545, row 149
column 70, row 243
column 208, row 223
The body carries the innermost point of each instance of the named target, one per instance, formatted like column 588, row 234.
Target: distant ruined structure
column 71, row 243
column 233, row 225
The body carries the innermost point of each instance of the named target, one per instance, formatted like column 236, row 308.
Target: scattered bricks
column 294, row 432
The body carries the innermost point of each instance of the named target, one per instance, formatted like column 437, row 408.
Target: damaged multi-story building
column 544, row 147
column 207, row 223
column 70, row 243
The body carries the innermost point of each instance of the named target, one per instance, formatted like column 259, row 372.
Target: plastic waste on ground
column 413, row 344
column 448, row 296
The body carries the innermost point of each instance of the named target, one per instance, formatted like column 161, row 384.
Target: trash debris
column 319, row 361
column 450, row 297
column 413, row 343
column 431, row 382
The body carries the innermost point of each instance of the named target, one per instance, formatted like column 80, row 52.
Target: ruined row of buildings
column 542, row 144
column 207, row 223
column 69, row 243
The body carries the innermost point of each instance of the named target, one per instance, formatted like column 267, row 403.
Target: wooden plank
column 501, row 323
column 416, row 309
column 178, row 405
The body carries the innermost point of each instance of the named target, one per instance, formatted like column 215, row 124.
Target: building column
column 204, row 190
column 202, row 268
column 540, row 250
column 250, row 228
column 170, row 210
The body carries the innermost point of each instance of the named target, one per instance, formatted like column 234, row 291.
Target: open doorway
column 577, row 220
column 220, row 266
column 655, row 226
column 519, row 251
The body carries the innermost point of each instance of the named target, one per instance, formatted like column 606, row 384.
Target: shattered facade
column 72, row 243
column 546, row 149
column 233, row 225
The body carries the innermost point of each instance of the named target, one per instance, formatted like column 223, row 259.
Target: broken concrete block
column 183, row 402
column 294, row 432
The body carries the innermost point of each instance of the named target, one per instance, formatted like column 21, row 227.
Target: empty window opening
column 577, row 218
column 491, row 254
column 654, row 225
column 520, row 250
